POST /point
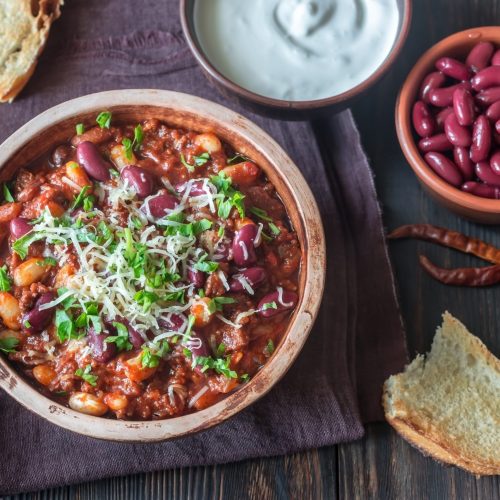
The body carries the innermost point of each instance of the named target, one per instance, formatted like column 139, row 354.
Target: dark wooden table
column 381, row 465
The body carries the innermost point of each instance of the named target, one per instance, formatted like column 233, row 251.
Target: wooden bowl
column 57, row 124
column 290, row 110
column 465, row 204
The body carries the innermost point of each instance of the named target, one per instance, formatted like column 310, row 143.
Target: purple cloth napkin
column 358, row 338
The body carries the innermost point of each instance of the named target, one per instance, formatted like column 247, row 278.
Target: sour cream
column 296, row 49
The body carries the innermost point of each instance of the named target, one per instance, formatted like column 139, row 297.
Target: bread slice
column 24, row 29
column 448, row 403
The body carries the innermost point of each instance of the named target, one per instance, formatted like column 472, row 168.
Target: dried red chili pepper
column 447, row 238
column 464, row 276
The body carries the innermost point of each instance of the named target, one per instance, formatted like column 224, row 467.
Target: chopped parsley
column 217, row 303
column 219, row 365
column 199, row 161
column 27, row 324
column 237, row 158
column 80, row 129
column 4, row 279
column 261, row 214
column 269, row 349
column 22, row 244
column 8, row 344
column 131, row 146
column 87, row 202
column 47, row 261
column 269, row 305
column 104, row 119
column 7, row 195
column 206, row 266
column 65, row 326
column 232, row 197
column 149, row 359
column 87, row 375
column 274, row 228
column 121, row 338
column 190, row 229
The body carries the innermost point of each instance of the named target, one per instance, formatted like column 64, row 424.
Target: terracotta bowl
column 57, row 124
column 290, row 110
column 467, row 205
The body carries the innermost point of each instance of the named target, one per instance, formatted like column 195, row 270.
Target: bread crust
column 417, row 428
column 48, row 12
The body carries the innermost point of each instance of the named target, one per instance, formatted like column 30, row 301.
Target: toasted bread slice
column 448, row 403
column 24, row 29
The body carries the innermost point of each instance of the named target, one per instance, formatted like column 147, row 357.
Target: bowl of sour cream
column 295, row 58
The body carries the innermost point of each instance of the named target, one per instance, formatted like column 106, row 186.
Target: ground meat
column 214, row 286
column 264, row 198
column 29, row 295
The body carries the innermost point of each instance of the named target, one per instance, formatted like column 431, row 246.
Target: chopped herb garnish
column 149, row 359
column 8, row 344
column 22, row 244
column 217, row 303
column 274, row 228
column 7, row 195
column 189, row 325
column 67, row 302
column 79, row 200
column 189, row 167
column 146, row 299
column 80, row 129
column 47, row 261
column 221, row 349
column 238, row 158
column 206, row 266
column 87, row 375
column 114, row 173
column 104, row 119
column 244, row 377
column 202, row 159
column 4, row 279
column 261, row 214
column 27, row 324
column 175, row 296
column 65, row 327
column 121, row 337
column 221, row 231
column 232, row 197
column 269, row 305
column 219, row 365
column 269, row 349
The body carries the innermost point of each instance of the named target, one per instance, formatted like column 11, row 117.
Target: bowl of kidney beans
column 448, row 122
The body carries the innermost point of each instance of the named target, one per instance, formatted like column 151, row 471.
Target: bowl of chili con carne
column 162, row 264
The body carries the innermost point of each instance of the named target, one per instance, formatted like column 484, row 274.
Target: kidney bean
column 488, row 96
column 243, row 245
column 486, row 174
column 196, row 277
column 495, row 162
column 142, row 181
column 463, row 106
column 91, row 160
column 197, row 188
column 441, row 117
column 444, row 167
column 495, row 60
column 61, row 155
column 438, row 142
column 134, row 337
column 453, row 68
column 19, row 226
column 431, row 81
column 488, row 77
column 423, row 121
column 223, row 252
column 457, row 135
column 161, row 204
column 481, row 139
column 493, row 112
column 479, row 57
column 443, row 97
column 463, row 162
column 174, row 322
column 289, row 301
column 198, row 346
column 480, row 189
column 38, row 319
column 102, row 351
column 254, row 275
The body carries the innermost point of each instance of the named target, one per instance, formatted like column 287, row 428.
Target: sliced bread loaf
column 24, row 29
column 447, row 404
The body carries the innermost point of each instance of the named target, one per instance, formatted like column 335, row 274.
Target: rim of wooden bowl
column 453, row 45
column 56, row 124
